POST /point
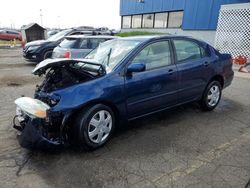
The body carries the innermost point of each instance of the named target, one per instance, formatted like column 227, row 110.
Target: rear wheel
column 211, row 96
column 93, row 127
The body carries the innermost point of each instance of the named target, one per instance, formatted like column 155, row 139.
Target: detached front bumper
column 32, row 136
column 35, row 130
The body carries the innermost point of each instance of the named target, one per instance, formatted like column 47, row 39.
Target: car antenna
column 109, row 56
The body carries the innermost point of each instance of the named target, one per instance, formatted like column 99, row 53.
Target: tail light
column 67, row 54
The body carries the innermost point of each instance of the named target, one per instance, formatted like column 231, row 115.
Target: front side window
column 148, row 20
column 155, row 55
column 161, row 20
column 126, row 22
column 175, row 19
column 136, row 21
column 187, row 50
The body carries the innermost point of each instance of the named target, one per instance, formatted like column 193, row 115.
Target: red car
column 10, row 35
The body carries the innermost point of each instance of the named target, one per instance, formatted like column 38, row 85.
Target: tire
column 47, row 55
column 90, row 136
column 211, row 96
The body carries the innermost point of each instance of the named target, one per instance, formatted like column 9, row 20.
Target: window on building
column 154, row 55
column 126, row 22
column 161, row 20
column 136, row 21
column 148, row 20
column 187, row 50
column 175, row 19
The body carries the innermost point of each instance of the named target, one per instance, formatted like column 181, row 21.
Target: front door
column 154, row 88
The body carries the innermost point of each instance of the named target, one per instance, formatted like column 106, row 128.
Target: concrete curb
column 241, row 75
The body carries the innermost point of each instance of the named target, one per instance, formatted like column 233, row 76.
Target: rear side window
column 188, row 50
column 93, row 43
column 83, row 44
column 69, row 43
column 154, row 55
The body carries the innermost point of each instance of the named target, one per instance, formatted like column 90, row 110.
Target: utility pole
column 41, row 17
column 58, row 22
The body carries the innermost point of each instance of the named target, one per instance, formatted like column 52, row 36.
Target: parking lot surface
column 183, row 147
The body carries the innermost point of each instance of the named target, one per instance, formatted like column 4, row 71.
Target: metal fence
column 233, row 30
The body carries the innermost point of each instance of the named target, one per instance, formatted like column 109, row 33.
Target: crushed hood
column 48, row 63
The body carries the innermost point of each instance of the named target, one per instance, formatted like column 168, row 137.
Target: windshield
column 59, row 35
column 110, row 53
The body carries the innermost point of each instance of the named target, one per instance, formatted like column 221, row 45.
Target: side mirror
column 136, row 67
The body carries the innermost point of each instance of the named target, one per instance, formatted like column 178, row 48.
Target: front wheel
column 211, row 96
column 93, row 127
column 47, row 55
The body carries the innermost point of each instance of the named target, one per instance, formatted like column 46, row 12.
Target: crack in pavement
column 22, row 165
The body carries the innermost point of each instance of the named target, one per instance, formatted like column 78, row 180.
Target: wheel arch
column 49, row 50
column 218, row 78
column 95, row 102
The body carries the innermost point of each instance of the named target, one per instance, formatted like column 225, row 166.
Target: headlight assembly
column 32, row 107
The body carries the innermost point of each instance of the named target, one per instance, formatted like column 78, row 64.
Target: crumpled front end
column 36, row 131
column 42, row 121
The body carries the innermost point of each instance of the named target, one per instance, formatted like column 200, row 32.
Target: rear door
column 155, row 88
column 194, row 68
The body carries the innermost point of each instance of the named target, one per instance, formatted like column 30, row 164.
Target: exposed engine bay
column 58, row 77
column 64, row 74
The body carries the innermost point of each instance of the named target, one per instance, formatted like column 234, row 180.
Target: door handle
column 206, row 64
column 171, row 71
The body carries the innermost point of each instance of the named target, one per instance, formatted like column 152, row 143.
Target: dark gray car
column 78, row 46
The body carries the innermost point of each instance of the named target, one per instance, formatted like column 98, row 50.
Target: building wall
column 205, row 35
column 198, row 14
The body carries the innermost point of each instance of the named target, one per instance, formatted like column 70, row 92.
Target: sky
column 60, row 13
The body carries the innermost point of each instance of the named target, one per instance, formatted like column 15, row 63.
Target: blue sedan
column 81, row 101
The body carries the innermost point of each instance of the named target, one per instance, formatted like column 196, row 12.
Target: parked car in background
column 10, row 35
column 82, row 101
column 114, row 31
column 78, row 46
column 103, row 31
column 39, row 50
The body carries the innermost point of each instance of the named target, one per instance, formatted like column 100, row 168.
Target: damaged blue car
column 81, row 101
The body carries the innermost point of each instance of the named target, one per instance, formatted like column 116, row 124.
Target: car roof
column 145, row 38
column 142, row 38
column 92, row 36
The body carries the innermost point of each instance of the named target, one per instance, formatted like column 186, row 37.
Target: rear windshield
column 82, row 43
column 69, row 43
